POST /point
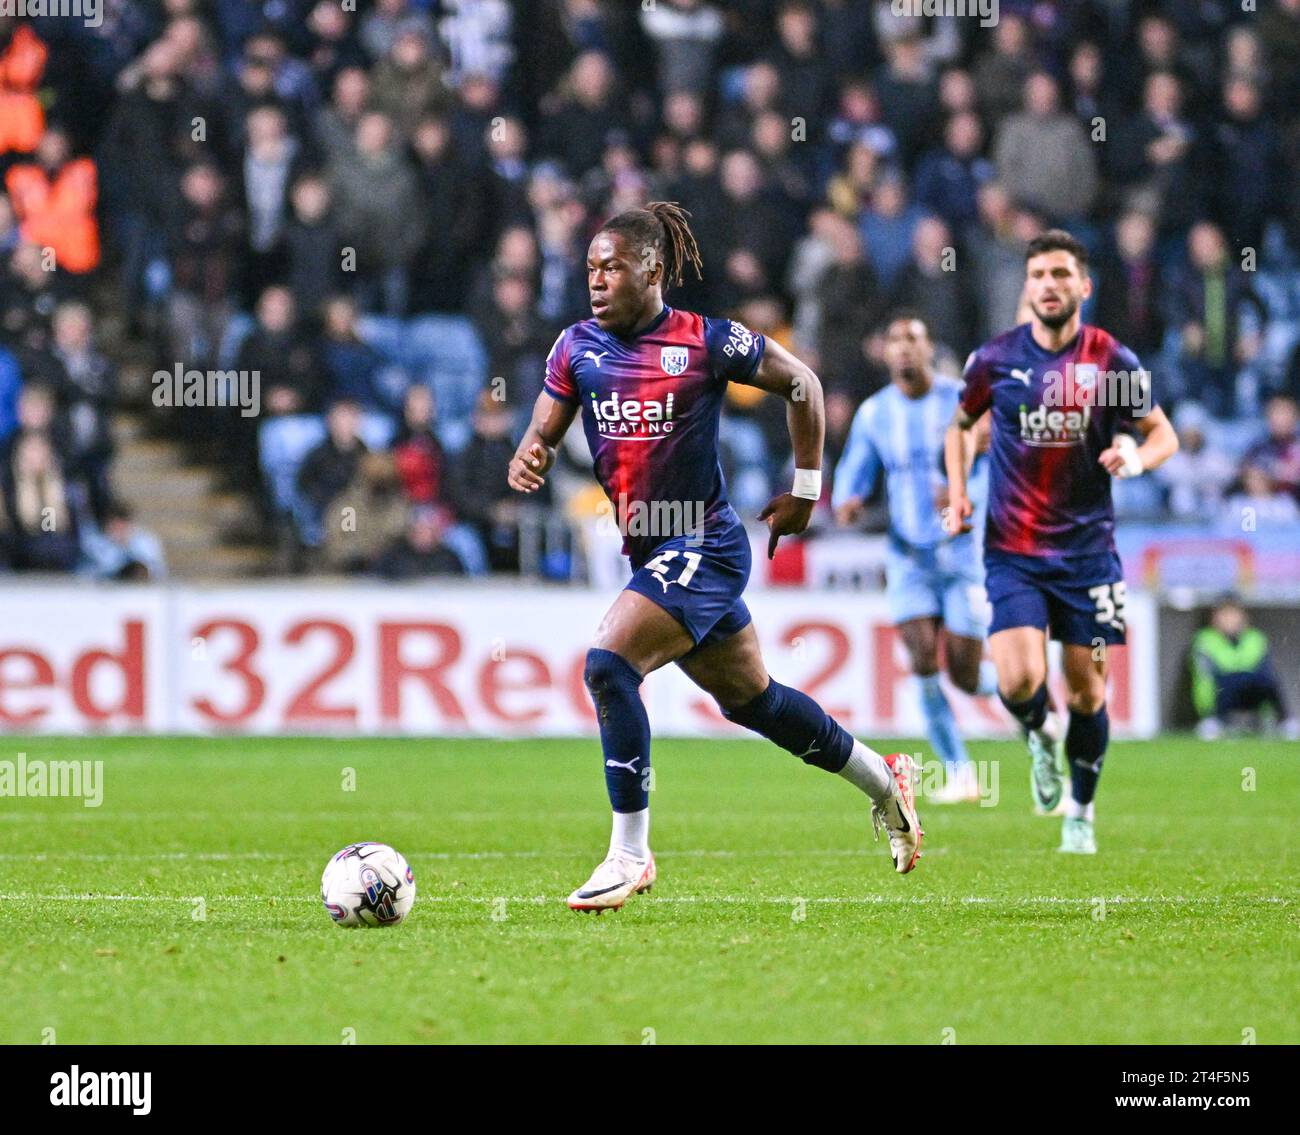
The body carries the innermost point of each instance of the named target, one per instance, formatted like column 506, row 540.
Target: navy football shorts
column 1077, row 599
column 699, row 579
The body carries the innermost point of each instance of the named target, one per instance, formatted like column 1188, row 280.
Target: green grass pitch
column 776, row 918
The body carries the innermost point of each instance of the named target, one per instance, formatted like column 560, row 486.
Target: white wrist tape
column 807, row 484
column 1129, row 451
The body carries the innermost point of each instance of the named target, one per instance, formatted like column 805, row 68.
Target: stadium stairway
column 182, row 504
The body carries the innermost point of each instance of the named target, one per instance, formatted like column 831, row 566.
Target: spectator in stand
column 336, row 124
column 1245, row 163
column 1130, row 291
column 204, row 249
column 1196, row 476
column 455, row 189
column 1206, row 297
column 272, row 159
column 1260, row 501
column 1091, row 94
column 377, row 207
column 387, row 20
column 37, row 412
column 418, row 455
column 948, row 180
column 23, row 56
column 518, row 342
column 314, row 251
column 581, row 117
column 408, row 84
column 87, row 402
column 354, row 370
column 997, row 248
column 889, row 229
column 805, row 74
column 287, row 364
column 38, row 522
column 1157, row 158
column 334, row 47
column 122, row 549
column 280, row 350
column 1277, row 454
column 750, row 249
column 330, row 467
column 365, row 516
column 860, row 122
column 850, row 303
column 1045, row 154
column 908, row 95
column 931, row 285
column 54, row 199
column 479, row 492
column 685, row 34
column 420, row 552
column 1000, row 73
column 1233, row 674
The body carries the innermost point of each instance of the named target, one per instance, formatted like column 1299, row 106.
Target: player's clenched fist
column 956, row 517
column 786, row 515
column 528, row 468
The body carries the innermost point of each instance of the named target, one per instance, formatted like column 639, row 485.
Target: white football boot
column 613, row 882
column 1047, row 757
column 897, row 815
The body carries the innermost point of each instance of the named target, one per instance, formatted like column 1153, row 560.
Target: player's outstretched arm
column 782, row 374
column 1159, row 444
column 958, row 455
column 536, row 453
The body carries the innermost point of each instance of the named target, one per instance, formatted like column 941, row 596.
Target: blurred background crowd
column 385, row 212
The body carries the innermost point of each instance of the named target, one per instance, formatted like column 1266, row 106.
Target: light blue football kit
column 927, row 573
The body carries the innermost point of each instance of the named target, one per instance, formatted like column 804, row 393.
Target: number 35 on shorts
column 660, row 566
column 1110, row 599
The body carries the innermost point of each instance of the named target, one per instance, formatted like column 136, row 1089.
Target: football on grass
column 368, row 884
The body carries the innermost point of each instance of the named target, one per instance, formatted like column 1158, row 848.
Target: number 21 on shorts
column 658, row 567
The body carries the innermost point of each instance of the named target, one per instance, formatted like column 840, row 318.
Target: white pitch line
column 738, row 900
column 224, row 856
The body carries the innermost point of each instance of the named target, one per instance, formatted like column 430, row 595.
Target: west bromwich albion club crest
column 673, row 360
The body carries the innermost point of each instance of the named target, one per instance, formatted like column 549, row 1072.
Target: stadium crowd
column 385, row 212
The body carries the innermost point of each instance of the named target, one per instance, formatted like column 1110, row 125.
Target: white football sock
column 867, row 770
column 631, row 834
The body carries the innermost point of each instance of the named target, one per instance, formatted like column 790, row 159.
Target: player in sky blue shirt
column 934, row 582
column 649, row 381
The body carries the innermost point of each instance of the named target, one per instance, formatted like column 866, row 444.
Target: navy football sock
column 1085, row 746
column 1032, row 712
column 798, row 724
column 624, row 728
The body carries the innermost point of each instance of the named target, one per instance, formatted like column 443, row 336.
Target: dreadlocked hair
column 664, row 227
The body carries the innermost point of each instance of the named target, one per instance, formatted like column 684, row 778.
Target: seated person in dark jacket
column 419, row 552
column 330, row 466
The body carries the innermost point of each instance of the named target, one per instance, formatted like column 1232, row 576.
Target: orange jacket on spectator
column 22, row 63
column 59, row 213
